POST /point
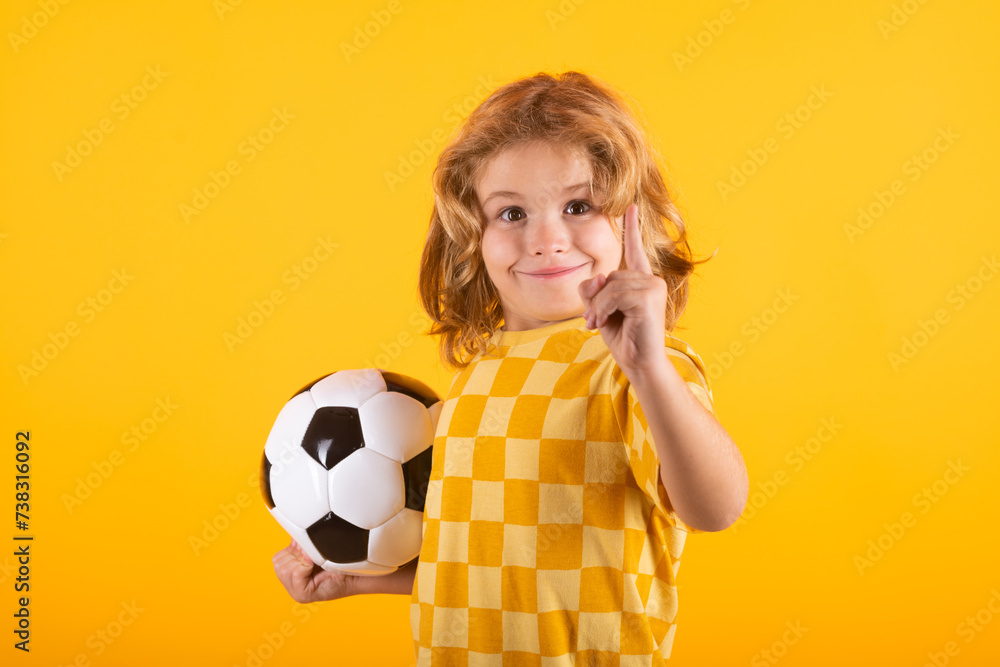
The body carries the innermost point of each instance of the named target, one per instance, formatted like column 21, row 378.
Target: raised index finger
column 635, row 254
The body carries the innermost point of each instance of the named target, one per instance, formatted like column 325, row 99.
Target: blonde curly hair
column 572, row 110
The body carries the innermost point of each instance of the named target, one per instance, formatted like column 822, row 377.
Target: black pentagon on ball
column 413, row 388
column 333, row 433
column 339, row 540
column 265, row 481
column 416, row 476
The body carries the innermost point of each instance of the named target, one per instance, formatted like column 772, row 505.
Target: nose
column 548, row 235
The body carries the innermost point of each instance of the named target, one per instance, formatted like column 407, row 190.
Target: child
column 577, row 445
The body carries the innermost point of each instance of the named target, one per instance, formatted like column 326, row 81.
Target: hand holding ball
column 346, row 466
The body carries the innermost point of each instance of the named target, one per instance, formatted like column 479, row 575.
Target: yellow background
column 851, row 300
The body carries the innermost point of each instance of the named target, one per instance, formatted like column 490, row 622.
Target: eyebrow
column 510, row 195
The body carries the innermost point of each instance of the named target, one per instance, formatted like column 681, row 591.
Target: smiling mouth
column 555, row 274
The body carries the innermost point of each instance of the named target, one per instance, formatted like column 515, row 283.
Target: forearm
column 700, row 465
column 399, row 582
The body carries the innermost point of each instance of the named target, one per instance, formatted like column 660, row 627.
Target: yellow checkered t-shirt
column 548, row 537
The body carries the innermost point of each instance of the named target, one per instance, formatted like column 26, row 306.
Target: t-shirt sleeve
column 643, row 459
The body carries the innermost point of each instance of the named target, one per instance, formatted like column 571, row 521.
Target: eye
column 511, row 209
column 578, row 207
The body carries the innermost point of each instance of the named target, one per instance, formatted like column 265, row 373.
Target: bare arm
column 701, row 467
column 307, row 582
column 399, row 582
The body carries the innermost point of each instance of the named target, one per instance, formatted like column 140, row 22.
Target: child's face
column 545, row 220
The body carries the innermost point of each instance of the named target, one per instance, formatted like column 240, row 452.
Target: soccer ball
column 346, row 466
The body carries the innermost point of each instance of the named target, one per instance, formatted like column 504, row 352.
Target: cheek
column 496, row 253
column 490, row 263
column 607, row 249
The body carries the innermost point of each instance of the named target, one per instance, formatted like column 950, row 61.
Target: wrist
column 654, row 371
column 399, row 582
column 351, row 585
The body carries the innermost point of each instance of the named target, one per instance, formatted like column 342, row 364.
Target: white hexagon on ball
column 397, row 541
column 396, row 425
column 284, row 442
column 366, row 488
column 347, row 388
column 301, row 490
